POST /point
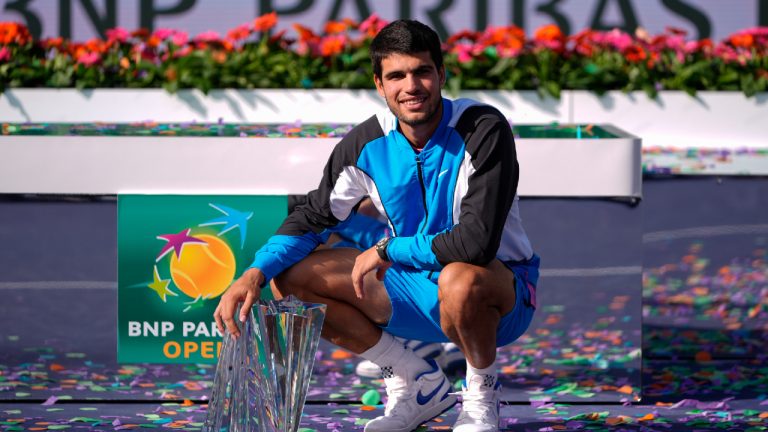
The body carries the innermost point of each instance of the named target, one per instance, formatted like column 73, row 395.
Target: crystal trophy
column 262, row 378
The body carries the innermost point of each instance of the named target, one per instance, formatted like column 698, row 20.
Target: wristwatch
column 381, row 248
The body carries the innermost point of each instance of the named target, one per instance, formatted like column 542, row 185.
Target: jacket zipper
column 423, row 188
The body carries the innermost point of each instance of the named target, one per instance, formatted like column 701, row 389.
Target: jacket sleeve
column 484, row 208
column 309, row 224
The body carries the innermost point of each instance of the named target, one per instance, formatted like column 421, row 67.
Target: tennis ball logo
column 204, row 270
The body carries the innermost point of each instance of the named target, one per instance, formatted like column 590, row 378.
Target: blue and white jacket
column 455, row 201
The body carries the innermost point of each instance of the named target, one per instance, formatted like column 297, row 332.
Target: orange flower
column 265, row 22
column 153, row 42
column 332, row 45
column 507, row 40
column 11, row 32
column 239, row 33
column 96, row 45
column 742, row 40
column 334, row 27
column 219, row 56
column 305, row 33
column 548, row 32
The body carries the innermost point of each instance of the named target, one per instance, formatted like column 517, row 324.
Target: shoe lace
column 479, row 405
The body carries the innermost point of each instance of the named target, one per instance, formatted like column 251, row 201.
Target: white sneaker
column 479, row 405
column 425, row 350
column 451, row 359
column 410, row 404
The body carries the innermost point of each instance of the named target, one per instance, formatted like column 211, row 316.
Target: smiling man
column 458, row 265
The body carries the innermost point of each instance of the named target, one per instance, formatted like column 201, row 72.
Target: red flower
column 239, row 33
column 5, row 54
column 50, row 43
column 742, row 40
column 11, row 32
column 305, row 33
column 635, row 53
column 464, row 34
column 265, row 22
column 141, row 33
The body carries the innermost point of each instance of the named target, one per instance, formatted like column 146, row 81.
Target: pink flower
column 163, row 33
column 614, row 38
column 180, row 38
column 183, row 52
column 463, row 52
column 209, row 36
column 5, row 54
column 89, row 58
column 372, row 25
column 118, row 34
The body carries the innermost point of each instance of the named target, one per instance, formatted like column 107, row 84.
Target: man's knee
column 288, row 282
column 460, row 282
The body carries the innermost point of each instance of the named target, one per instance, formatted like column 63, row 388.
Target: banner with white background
column 85, row 19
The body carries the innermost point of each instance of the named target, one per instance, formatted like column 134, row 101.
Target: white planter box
column 711, row 120
column 233, row 165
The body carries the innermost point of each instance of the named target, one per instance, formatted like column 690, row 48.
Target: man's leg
column 417, row 391
column 473, row 300
column 324, row 277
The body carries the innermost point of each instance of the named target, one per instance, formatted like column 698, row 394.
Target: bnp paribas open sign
column 177, row 254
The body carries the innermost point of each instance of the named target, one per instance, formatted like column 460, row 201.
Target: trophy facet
column 262, row 378
column 290, row 333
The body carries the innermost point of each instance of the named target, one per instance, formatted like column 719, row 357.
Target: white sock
column 489, row 374
column 394, row 358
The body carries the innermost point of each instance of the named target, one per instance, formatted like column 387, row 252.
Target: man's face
column 410, row 83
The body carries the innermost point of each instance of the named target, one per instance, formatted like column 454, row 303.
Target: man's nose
column 411, row 83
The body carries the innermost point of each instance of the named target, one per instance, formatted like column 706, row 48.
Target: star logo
column 176, row 243
column 160, row 286
column 232, row 219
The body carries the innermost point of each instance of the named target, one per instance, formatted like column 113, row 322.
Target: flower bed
column 251, row 56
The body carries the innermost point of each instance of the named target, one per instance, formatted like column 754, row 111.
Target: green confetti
column 340, row 411
column 371, row 397
column 58, row 427
column 335, row 395
column 21, row 394
column 361, row 421
column 307, row 430
column 88, row 409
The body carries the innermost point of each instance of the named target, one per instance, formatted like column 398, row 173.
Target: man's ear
column 379, row 85
column 441, row 74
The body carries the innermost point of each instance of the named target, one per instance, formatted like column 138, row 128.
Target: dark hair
column 405, row 37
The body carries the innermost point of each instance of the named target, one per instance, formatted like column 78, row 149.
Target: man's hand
column 247, row 290
column 364, row 264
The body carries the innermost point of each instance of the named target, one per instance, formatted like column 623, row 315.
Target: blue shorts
column 416, row 311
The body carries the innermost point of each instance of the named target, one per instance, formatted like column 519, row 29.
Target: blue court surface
column 651, row 317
